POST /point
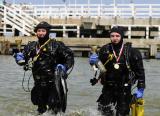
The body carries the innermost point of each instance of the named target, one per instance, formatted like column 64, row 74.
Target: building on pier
column 91, row 20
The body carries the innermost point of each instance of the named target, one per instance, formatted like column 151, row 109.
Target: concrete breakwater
column 81, row 46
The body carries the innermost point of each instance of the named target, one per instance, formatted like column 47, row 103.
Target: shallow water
column 14, row 101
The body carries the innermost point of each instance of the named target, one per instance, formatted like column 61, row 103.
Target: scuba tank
column 98, row 63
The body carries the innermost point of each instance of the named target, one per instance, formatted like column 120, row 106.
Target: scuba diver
column 47, row 56
column 124, row 68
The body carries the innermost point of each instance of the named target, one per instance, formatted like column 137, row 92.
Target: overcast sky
column 83, row 1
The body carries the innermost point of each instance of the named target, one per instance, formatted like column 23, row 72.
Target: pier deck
column 83, row 44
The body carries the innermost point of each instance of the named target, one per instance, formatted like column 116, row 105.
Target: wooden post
column 129, row 32
column 18, row 42
column 153, row 51
column 64, row 31
column 5, row 45
column 159, row 31
column 78, row 31
column 0, row 47
column 147, row 32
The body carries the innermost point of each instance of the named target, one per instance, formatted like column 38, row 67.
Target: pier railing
column 25, row 17
column 17, row 19
column 93, row 10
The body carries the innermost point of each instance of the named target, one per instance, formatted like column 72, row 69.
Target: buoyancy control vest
column 48, row 56
column 124, row 73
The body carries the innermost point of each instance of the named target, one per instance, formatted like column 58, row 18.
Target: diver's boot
column 41, row 109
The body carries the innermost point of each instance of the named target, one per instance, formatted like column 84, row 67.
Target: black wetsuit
column 116, row 82
column 53, row 53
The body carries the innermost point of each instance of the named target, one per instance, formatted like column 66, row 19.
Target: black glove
column 26, row 67
column 93, row 81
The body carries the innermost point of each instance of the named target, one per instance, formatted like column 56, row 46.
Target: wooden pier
column 81, row 46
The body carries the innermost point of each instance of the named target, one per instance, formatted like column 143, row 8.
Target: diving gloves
column 139, row 93
column 61, row 66
column 93, row 59
column 19, row 57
